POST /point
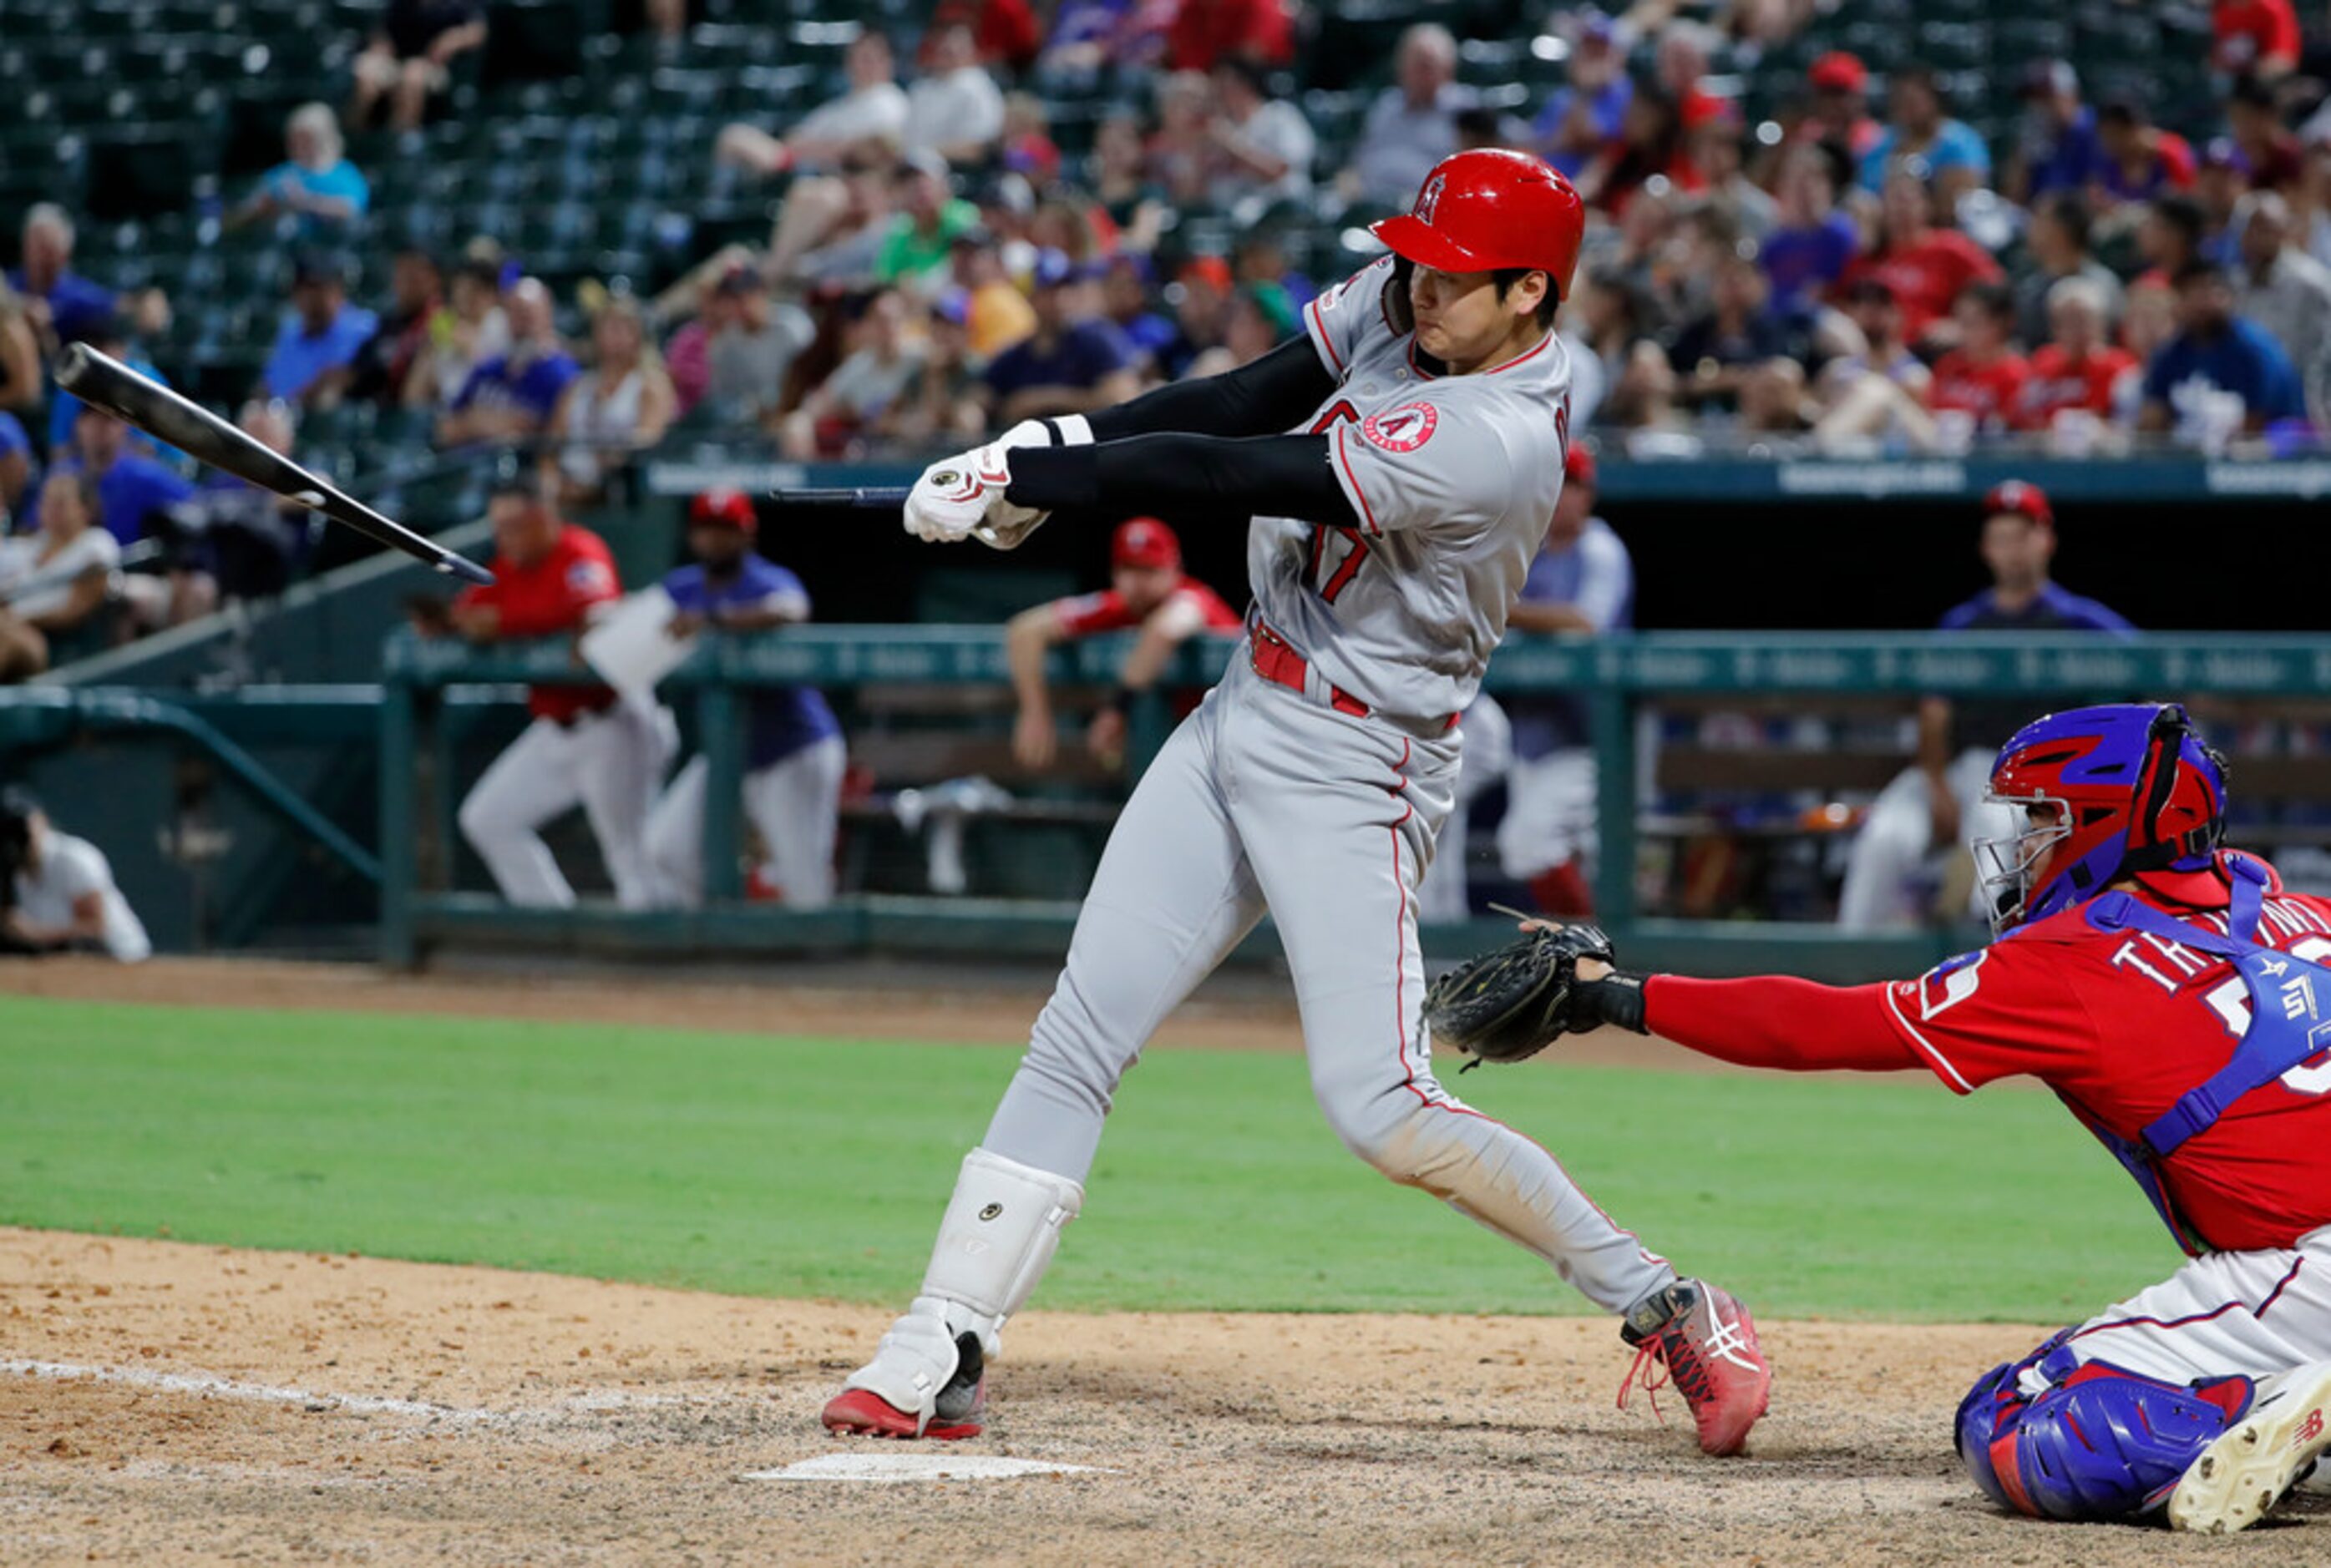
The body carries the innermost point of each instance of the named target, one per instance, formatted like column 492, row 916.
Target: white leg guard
column 1001, row 1230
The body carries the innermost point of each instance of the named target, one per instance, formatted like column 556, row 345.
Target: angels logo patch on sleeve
column 1401, row 429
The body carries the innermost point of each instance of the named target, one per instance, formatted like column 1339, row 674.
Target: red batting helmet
column 1487, row 209
column 723, row 509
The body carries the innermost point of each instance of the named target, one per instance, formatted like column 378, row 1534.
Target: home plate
column 922, row 1466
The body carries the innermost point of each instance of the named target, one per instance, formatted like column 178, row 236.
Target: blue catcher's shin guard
column 2099, row 1443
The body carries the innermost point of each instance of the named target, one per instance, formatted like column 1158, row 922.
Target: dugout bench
column 1617, row 678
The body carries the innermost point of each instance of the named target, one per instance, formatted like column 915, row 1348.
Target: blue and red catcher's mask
column 2106, row 792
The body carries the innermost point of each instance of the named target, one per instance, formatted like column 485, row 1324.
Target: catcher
column 2177, row 998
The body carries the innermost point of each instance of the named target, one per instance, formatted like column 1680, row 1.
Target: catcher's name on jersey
column 1453, row 479
column 2119, row 1024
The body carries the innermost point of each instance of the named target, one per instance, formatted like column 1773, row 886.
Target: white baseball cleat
column 2254, row 1463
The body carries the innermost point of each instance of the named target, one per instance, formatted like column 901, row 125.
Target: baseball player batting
column 1397, row 467
column 2177, row 998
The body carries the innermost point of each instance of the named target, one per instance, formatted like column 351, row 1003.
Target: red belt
column 1275, row 661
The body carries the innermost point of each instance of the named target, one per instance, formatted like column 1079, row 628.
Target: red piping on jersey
column 1319, row 335
column 1353, row 479
column 2258, row 1311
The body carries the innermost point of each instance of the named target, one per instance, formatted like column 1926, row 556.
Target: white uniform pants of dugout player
column 607, row 763
column 1895, row 867
column 1263, row 798
column 792, row 804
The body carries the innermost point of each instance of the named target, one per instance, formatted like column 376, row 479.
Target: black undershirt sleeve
column 1277, row 391
column 1277, row 476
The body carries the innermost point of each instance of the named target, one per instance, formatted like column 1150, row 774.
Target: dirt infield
column 167, row 1402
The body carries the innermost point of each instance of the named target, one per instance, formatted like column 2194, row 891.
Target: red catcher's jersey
column 1090, row 614
column 2120, row 1024
column 553, row 595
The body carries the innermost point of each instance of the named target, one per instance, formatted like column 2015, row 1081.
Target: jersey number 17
column 1329, row 581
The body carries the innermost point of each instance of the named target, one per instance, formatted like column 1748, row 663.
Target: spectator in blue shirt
column 1814, row 241
column 1074, row 363
column 1125, row 299
column 2217, row 356
column 1951, row 153
column 1583, row 117
column 63, row 305
column 131, row 487
column 15, row 466
column 511, row 397
column 794, row 754
column 2059, row 149
column 64, row 408
column 316, row 181
column 315, row 346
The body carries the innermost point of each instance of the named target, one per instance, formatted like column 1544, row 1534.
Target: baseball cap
column 318, row 267
column 1210, row 269
column 1578, row 466
column 922, row 160
column 1839, row 72
column 1144, row 542
column 2049, row 78
column 1053, row 268
column 2222, row 152
column 741, row 278
column 723, row 509
column 2021, row 498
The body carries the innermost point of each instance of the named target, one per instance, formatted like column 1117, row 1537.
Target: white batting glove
column 957, row 494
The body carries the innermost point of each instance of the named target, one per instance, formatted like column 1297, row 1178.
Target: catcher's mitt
column 1509, row 1004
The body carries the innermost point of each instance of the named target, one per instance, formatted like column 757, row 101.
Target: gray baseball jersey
column 1453, row 479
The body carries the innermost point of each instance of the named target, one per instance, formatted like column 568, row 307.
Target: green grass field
column 785, row 1166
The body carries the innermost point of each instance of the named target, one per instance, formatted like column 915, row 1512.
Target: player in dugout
column 2175, row 997
column 1146, row 589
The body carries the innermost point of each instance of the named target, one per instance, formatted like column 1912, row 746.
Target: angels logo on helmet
column 1428, row 200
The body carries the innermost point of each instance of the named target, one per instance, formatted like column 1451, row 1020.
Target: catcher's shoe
column 2252, row 1465
column 925, row 1380
column 1706, row 1344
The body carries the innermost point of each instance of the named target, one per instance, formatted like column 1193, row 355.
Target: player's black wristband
column 1121, row 700
column 1617, row 999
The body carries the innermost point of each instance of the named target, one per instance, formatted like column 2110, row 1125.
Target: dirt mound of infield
column 162, row 1401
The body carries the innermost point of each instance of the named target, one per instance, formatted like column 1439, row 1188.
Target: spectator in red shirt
column 2080, row 368
column 1650, row 144
column 1839, row 111
column 1206, row 31
column 585, row 746
column 1680, row 63
column 2255, row 37
column 1925, row 266
column 2141, row 160
column 1006, row 30
column 2270, row 152
column 1149, row 590
column 1984, row 376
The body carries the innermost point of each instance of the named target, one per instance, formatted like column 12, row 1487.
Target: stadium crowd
column 1860, row 274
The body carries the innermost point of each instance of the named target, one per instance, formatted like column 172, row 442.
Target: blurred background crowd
column 1856, row 226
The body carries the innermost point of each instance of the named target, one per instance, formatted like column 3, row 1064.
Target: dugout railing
column 1617, row 678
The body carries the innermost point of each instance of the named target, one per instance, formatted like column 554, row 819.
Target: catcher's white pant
column 2253, row 1313
column 1895, row 867
column 1488, row 737
column 793, row 804
column 606, row 762
column 1263, row 798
